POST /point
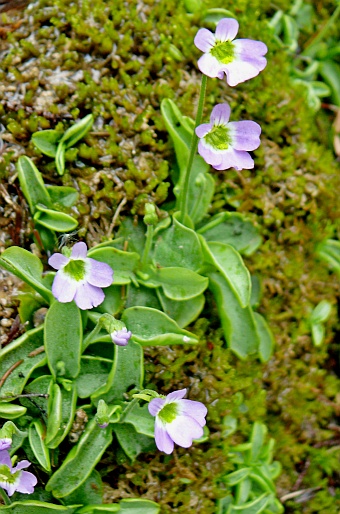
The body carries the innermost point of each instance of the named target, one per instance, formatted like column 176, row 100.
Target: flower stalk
column 183, row 197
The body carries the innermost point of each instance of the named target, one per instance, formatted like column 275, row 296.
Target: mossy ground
column 119, row 60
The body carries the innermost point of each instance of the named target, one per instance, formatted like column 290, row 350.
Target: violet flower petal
column 235, row 159
column 99, row 273
column 5, row 458
column 57, row 260
column 21, row 465
column 220, row 114
column 5, row 443
column 248, row 48
column 183, row 429
column 226, row 29
column 156, row 405
column 26, row 482
column 88, row 296
column 79, row 251
column 202, row 130
column 209, row 155
column 64, row 288
column 204, row 40
column 195, row 410
column 209, row 65
column 239, row 71
column 245, row 135
column 176, row 395
column 162, row 439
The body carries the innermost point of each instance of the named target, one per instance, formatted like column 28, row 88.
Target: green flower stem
column 148, row 244
column 127, row 409
column 91, row 336
column 4, row 496
column 183, row 198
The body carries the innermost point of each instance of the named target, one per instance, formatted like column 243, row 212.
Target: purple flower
column 80, row 278
column 14, row 479
column 239, row 59
column 177, row 421
column 121, row 337
column 5, row 443
column 224, row 144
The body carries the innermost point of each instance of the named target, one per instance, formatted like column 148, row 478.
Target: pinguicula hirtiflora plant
column 74, row 383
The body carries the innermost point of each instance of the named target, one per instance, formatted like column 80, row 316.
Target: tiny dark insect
column 8, row 5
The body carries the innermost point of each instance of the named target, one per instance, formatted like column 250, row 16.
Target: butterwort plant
column 238, row 59
column 79, row 277
column 13, row 478
column 223, row 144
column 177, row 420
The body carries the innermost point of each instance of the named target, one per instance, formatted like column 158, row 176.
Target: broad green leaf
column 321, row 312
column 243, row 490
column 237, row 476
column 54, row 411
column 330, row 72
column 234, row 229
column 114, row 301
column 178, row 246
column 32, row 184
column 26, row 266
column 9, row 429
column 123, row 263
column 60, row 158
column 253, row 507
column 80, row 461
column 62, row 196
column 45, row 238
column 63, row 336
column 68, row 403
column 318, row 333
column 126, row 373
column 37, row 507
column 11, row 410
column 90, row 491
column 130, row 236
column 132, row 443
column 19, row 359
column 183, row 313
column 290, row 32
column 141, row 419
column 262, row 481
column 142, row 296
column 94, row 373
column 128, row 506
column 267, row 341
column 229, row 262
column 180, row 283
column 152, row 327
column 47, row 141
column 77, row 131
column 258, row 435
column 329, row 250
column 38, row 405
column 214, row 15
column 238, row 323
column 54, row 220
column 36, row 435
column 138, row 506
column 30, row 302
